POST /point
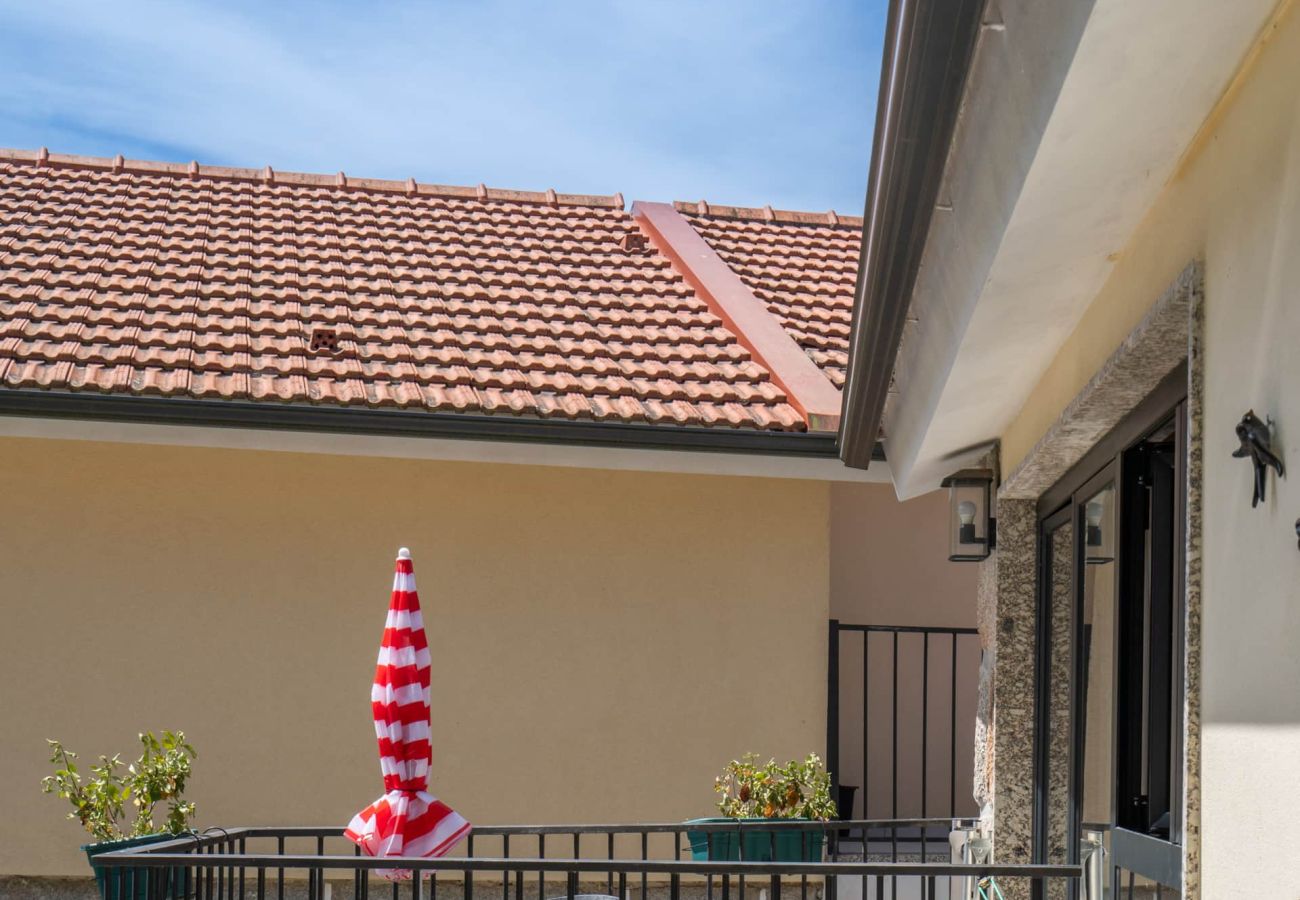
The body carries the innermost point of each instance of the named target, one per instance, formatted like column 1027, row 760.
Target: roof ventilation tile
column 324, row 340
column 633, row 242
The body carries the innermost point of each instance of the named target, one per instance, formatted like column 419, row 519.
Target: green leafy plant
column 796, row 790
column 99, row 801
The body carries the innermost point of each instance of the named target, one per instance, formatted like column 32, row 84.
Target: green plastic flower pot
column 132, row 882
column 793, row 845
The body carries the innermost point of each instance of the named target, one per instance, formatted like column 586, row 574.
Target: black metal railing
column 628, row 862
column 912, row 690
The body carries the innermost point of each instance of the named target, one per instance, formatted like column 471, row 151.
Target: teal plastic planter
column 134, row 880
column 789, row 846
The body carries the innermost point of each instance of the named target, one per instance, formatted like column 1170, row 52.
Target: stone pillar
column 1192, row 575
column 1004, row 733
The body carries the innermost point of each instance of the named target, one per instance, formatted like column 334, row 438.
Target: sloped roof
column 195, row 282
column 803, row 266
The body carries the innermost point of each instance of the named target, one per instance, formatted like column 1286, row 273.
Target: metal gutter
column 928, row 49
column 404, row 423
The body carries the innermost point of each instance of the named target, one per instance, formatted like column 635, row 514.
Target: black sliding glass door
column 1109, row 693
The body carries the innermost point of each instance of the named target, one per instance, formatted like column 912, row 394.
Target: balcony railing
column 900, row 859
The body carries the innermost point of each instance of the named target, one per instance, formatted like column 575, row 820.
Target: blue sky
column 737, row 101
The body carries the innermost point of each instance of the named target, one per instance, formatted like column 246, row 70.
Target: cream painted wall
column 1236, row 202
column 889, row 566
column 889, row 560
column 603, row 641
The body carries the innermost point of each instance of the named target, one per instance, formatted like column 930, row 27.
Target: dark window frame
column 1151, row 676
column 1106, row 463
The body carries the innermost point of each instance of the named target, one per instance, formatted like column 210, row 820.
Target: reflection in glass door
column 1097, row 647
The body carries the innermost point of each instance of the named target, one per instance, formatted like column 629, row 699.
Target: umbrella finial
column 404, row 553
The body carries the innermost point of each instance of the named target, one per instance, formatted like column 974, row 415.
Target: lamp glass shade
column 1099, row 527
column 968, row 512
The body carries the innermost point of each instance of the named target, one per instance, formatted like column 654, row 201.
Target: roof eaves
column 405, row 423
column 807, row 388
column 929, row 46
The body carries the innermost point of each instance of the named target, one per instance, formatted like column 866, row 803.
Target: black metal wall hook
column 1256, row 443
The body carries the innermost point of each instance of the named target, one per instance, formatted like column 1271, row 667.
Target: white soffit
column 1040, row 209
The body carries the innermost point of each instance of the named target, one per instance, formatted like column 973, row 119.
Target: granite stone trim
column 1013, row 639
column 1060, row 669
column 1192, row 613
column 986, row 600
column 1154, row 348
column 986, row 593
column 1171, row 333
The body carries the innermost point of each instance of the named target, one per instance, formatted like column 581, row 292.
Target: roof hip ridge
column 193, row 170
column 806, row 386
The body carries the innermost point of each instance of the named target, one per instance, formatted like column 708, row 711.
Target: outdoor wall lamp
column 972, row 528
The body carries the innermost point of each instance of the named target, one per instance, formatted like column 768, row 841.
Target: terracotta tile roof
column 803, row 266
column 184, row 281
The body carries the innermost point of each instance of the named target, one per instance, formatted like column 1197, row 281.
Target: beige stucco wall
column 1236, row 203
column 889, row 560
column 889, row 566
column 603, row 641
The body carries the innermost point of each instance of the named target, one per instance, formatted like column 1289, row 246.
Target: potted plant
column 100, row 804
column 754, row 792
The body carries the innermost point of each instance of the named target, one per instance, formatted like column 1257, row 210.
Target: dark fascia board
column 405, row 423
column 928, row 49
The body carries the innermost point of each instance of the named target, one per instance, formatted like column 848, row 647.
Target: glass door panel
column 1097, row 648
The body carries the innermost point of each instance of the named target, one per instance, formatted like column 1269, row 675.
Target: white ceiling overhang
column 1075, row 117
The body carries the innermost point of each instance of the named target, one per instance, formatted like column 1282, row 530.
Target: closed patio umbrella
column 406, row 820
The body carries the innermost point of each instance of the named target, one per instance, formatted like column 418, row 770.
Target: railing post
column 833, row 708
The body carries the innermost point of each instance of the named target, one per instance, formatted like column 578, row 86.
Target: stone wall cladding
column 1170, row 334
column 1014, row 642
column 1060, row 670
column 1192, row 615
column 986, row 593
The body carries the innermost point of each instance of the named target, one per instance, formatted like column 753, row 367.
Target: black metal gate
column 900, row 720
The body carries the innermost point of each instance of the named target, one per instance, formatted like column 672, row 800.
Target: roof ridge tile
column 43, row 158
column 767, row 214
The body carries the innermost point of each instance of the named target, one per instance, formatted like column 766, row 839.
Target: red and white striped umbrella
column 407, row 820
